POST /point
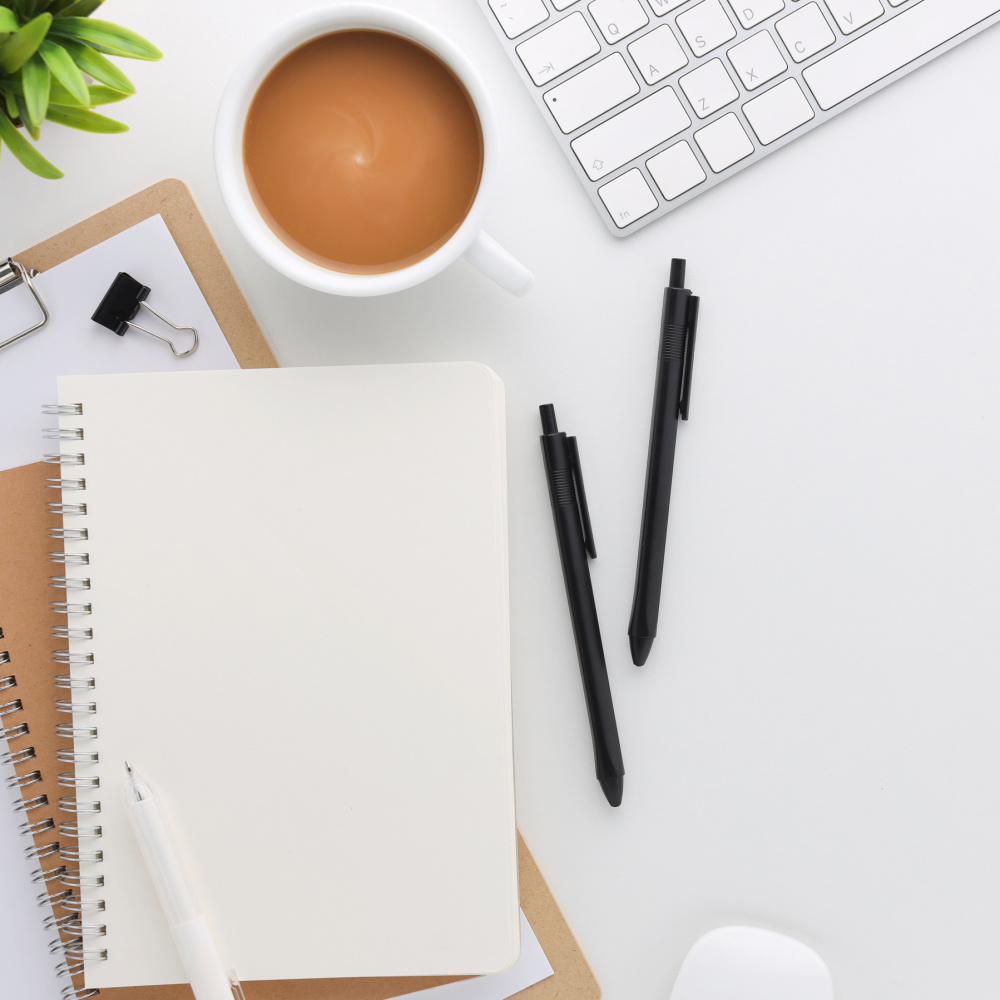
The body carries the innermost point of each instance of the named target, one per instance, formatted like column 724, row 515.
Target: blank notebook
column 298, row 600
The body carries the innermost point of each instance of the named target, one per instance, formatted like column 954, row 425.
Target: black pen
column 576, row 541
column 670, row 402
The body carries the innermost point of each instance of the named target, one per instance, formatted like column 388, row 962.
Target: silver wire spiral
column 76, row 942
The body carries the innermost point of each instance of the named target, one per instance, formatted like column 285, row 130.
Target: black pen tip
column 613, row 785
column 677, row 267
column 640, row 646
column 548, row 414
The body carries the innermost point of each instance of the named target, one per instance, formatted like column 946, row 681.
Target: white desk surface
column 813, row 744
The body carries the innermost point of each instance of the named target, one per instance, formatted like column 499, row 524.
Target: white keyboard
column 656, row 101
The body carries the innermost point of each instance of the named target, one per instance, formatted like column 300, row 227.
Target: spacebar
column 891, row 46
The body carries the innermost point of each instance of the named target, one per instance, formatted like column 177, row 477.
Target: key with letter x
column 757, row 60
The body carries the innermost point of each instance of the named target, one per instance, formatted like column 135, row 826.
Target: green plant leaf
column 106, row 37
column 65, row 70
column 24, row 43
column 76, row 8
column 98, row 95
column 95, row 65
column 22, row 112
column 86, row 121
column 58, row 94
column 25, row 152
column 32, row 8
column 8, row 22
column 11, row 103
column 105, row 95
column 37, row 81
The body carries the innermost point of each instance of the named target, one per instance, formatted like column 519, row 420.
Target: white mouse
column 750, row 963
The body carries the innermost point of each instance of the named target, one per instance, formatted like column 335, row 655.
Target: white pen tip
column 128, row 767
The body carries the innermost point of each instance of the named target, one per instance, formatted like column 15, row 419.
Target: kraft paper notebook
column 24, row 598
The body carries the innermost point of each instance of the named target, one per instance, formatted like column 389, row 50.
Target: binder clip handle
column 13, row 274
column 122, row 302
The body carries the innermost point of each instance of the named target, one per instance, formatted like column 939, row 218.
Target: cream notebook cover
column 298, row 600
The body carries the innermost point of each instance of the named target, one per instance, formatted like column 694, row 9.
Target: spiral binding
column 71, row 916
column 56, row 882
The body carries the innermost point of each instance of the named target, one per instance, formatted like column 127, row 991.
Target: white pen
column 199, row 956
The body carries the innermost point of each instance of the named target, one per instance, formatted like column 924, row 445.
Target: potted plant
column 54, row 67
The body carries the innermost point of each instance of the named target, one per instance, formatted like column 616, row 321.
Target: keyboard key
column 853, row 14
column 629, row 134
column 757, row 60
column 752, row 12
column 709, row 88
column 805, row 32
column 706, row 26
column 627, row 198
column 563, row 4
column 676, row 170
column 618, row 18
column 888, row 47
column 555, row 50
column 777, row 112
column 724, row 142
column 657, row 54
column 518, row 16
column 596, row 90
column 661, row 7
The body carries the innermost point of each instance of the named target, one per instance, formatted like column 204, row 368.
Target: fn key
column 627, row 198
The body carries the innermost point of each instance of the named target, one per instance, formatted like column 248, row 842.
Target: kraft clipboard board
column 25, row 617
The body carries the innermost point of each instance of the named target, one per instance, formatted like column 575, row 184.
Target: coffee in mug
column 356, row 239
column 363, row 151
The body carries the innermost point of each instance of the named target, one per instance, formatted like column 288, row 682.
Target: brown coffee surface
column 363, row 151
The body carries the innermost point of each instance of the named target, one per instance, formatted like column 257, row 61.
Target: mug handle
column 489, row 257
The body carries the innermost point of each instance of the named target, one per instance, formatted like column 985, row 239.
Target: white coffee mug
column 468, row 240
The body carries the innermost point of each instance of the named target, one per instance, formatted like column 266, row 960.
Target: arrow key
column 555, row 50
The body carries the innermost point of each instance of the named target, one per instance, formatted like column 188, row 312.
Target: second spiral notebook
column 290, row 589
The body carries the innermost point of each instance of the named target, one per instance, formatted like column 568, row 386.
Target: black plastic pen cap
column 677, row 268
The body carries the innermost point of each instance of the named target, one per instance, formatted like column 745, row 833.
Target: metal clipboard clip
column 13, row 274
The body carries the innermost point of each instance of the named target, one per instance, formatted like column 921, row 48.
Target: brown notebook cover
column 25, row 617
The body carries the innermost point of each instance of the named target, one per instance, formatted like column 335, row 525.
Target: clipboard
column 26, row 619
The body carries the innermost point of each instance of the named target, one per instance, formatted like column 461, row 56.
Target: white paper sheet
column 532, row 967
column 71, row 344
column 299, row 589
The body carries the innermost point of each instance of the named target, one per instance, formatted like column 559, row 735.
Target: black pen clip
column 581, row 498
column 692, row 329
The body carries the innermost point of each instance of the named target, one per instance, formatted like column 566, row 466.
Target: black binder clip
column 120, row 305
column 13, row 274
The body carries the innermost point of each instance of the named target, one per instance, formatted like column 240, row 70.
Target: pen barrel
column 660, row 464
column 582, row 606
column 156, row 842
column 200, row 958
